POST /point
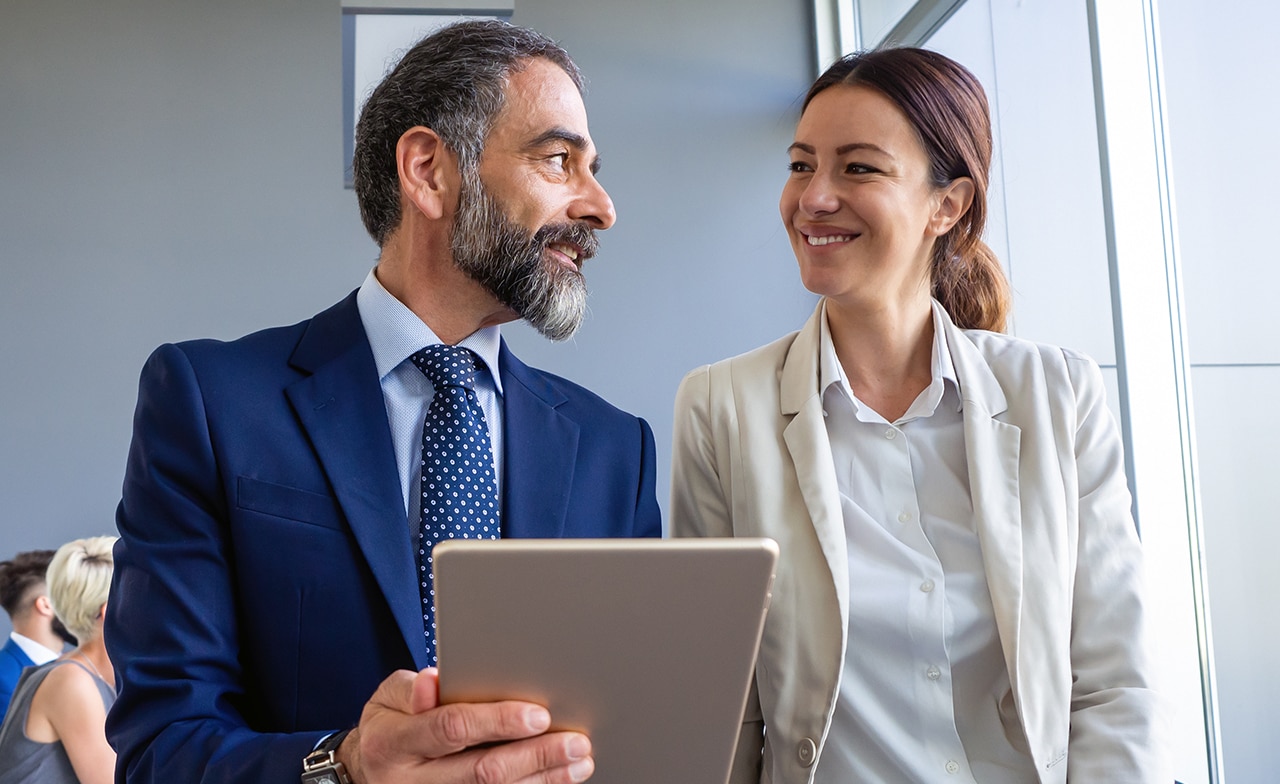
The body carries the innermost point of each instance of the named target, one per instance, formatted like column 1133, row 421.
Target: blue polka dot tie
column 459, row 493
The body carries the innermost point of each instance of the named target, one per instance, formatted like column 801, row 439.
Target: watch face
column 321, row 777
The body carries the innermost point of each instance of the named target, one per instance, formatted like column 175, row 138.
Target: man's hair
column 19, row 575
column 452, row 82
column 79, row 581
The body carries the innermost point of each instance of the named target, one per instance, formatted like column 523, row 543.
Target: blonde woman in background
column 53, row 732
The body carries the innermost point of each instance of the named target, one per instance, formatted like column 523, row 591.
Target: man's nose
column 593, row 205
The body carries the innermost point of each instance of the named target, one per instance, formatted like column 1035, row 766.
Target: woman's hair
column 79, row 579
column 946, row 105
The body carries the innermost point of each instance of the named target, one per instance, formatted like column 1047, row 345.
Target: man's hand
column 406, row 736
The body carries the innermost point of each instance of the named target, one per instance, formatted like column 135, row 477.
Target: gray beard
column 509, row 261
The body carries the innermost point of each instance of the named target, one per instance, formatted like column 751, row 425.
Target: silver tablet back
column 648, row 646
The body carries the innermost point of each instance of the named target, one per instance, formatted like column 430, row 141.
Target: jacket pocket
column 291, row 503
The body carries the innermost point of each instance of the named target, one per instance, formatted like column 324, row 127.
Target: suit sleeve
column 648, row 521
column 700, row 506
column 170, row 628
column 1116, row 715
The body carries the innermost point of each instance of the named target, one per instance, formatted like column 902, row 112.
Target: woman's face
column 858, row 205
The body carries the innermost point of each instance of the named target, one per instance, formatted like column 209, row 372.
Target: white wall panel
column 1222, row 67
column 1238, row 430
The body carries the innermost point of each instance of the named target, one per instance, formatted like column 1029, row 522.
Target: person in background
column 53, row 733
column 271, row 616
column 25, row 598
column 960, row 593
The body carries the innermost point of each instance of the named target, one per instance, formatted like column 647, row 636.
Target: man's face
column 526, row 221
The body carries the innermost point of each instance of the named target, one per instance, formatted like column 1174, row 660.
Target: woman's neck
column 94, row 653
column 886, row 352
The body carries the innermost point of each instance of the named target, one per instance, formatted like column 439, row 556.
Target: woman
column 53, row 732
column 959, row 592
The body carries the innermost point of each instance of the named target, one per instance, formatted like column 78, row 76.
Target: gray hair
column 79, row 580
column 452, row 82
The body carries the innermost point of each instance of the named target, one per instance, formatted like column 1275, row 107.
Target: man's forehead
column 542, row 104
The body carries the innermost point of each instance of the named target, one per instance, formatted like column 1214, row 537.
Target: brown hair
column 947, row 106
column 18, row 576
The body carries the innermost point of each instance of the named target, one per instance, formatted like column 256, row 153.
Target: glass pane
column 877, row 17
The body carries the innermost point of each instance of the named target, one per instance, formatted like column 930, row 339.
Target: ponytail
column 971, row 285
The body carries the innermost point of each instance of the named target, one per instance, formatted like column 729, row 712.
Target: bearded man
column 272, row 589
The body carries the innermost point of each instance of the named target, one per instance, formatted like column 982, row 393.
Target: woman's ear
column 427, row 171
column 954, row 200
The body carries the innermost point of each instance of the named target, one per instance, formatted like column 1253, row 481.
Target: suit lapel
column 806, row 439
column 993, row 450
column 342, row 410
column 541, row 449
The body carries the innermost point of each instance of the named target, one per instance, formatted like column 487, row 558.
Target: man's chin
column 559, row 320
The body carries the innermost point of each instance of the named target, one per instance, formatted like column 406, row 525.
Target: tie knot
column 448, row 366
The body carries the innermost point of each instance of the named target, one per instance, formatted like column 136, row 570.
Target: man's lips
column 572, row 251
column 568, row 254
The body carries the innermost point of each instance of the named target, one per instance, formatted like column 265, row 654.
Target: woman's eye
column 859, row 168
column 798, row 166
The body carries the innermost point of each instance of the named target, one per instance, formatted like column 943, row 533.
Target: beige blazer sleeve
column 700, row 507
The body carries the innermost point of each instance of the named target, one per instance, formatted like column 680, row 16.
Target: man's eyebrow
column 575, row 140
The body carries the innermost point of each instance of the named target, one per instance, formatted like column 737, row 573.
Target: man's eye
column 560, row 160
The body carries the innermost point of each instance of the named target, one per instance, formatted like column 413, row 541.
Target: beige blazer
column 1052, row 512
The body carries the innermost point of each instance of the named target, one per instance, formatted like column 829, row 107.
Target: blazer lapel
column 541, row 447
column 341, row 407
column 806, row 439
column 993, row 451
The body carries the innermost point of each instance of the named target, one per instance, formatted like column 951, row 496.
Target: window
column 376, row 33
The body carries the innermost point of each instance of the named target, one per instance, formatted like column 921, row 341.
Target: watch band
column 321, row 766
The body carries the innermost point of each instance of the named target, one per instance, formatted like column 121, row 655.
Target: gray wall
column 172, row 169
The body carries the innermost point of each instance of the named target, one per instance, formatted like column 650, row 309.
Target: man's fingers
column 555, row 758
column 402, row 691
column 426, row 691
column 405, row 728
column 452, row 728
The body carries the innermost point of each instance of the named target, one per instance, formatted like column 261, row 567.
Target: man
column 273, row 577
column 25, row 598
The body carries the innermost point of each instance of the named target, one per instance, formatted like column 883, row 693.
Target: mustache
column 576, row 233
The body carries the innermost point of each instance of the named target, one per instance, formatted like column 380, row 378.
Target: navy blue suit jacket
column 12, row 661
column 265, row 582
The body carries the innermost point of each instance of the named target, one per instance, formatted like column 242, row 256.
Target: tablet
column 645, row 645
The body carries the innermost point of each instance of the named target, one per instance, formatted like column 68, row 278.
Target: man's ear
column 954, row 200
column 44, row 606
column 427, row 171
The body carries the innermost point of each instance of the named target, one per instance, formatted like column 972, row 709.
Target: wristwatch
column 321, row 766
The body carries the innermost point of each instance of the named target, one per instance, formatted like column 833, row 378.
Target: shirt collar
column 34, row 650
column 831, row 372
column 395, row 333
column 943, row 367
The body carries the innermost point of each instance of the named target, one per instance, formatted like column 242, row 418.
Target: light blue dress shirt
column 395, row 334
